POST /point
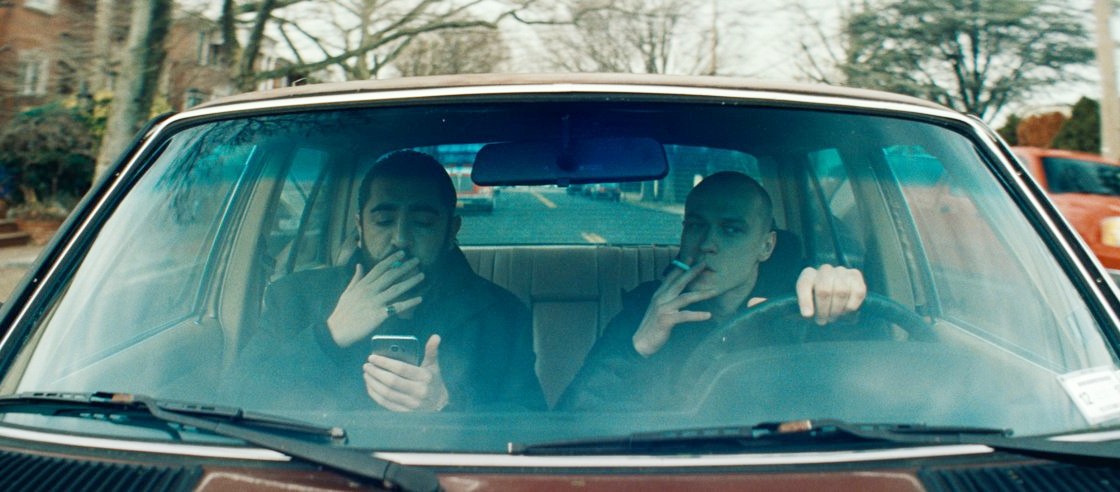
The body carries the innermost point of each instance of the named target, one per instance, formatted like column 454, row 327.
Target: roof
column 468, row 80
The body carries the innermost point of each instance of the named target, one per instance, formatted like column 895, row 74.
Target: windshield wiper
column 237, row 424
column 60, row 403
column 815, row 434
column 786, row 435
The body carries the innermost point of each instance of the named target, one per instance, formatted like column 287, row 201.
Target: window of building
column 193, row 97
column 48, row 6
column 32, row 74
column 209, row 48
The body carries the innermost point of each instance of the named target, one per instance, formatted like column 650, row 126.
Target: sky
column 764, row 38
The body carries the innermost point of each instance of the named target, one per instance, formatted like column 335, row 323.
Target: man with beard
column 408, row 277
column 727, row 233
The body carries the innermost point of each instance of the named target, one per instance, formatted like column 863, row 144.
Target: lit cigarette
column 682, row 265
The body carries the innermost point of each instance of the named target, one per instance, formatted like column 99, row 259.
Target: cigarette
column 682, row 265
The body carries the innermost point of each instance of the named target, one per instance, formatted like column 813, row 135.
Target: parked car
column 985, row 356
column 603, row 191
column 1086, row 188
column 469, row 195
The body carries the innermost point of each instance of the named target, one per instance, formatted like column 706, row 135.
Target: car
column 469, row 195
column 604, row 191
column 140, row 349
column 1086, row 188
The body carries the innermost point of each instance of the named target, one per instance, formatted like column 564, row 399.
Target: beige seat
column 572, row 292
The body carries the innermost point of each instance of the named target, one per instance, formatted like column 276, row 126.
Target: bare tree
column 454, row 51
column 976, row 56
column 139, row 76
column 648, row 36
column 619, row 35
column 356, row 38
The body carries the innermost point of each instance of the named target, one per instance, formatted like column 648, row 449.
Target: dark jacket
column 614, row 376
column 486, row 352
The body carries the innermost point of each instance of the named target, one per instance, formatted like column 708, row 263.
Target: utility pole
column 1106, row 63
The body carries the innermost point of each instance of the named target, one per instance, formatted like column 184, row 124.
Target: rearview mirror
column 582, row 160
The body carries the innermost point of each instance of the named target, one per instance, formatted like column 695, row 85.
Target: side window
column 1078, row 176
column 300, row 224
column 833, row 214
column 965, row 252
column 144, row 272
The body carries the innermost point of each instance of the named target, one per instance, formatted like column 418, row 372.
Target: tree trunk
column 247, row 63
column 102, row 55
column 139, row 77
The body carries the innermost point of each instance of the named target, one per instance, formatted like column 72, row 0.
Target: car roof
column 566, row 79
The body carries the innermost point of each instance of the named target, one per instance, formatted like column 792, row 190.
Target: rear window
column 1079, row 176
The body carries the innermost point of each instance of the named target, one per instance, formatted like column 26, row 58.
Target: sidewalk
column 14, row 262
column 672, row 208
column 19, row 256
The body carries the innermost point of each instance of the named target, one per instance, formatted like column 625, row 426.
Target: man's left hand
column 829, row 292
column 403, row 387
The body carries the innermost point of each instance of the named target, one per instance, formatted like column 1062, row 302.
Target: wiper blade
column 797, row 433
column 69, row 402
column 237, row 424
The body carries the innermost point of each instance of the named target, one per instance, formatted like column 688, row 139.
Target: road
column 547, row 215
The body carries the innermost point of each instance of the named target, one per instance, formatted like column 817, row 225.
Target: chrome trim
column 1090, row 437
column 204, row 451
column 678, row 461
column 560, row 89
column 506, row 461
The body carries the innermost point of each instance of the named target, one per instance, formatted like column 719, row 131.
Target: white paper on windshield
column 1096, row 392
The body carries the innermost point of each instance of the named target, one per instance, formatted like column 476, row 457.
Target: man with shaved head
column 727, row 234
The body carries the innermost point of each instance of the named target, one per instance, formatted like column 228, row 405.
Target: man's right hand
column 372, row 298
column 666, row 310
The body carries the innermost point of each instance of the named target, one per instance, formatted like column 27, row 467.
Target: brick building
column 46, row 54
column 44, row 49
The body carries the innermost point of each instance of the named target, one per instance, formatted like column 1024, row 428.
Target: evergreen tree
column 1009, row 128
column 1082, row 131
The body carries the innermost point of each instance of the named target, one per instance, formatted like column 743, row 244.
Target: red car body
column 1082, row 186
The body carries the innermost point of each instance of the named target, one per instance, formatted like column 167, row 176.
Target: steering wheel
column 760, row 322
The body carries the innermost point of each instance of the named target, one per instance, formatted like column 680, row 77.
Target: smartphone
column 405, row 348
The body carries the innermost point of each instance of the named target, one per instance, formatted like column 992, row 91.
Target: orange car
column 1086, row 188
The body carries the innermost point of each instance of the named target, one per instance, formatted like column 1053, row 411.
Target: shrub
column 1083, row 129
column 1039, row 130
column 47, row 155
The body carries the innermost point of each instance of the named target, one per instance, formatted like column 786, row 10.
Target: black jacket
column 614, row 376
column 486, row 352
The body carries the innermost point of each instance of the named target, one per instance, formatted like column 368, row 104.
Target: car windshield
column 221, row 275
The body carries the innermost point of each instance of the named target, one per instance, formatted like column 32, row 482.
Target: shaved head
column 738, row 186
column 728, row 227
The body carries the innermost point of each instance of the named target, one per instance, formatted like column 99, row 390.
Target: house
column 45, row 49
column 47, row 54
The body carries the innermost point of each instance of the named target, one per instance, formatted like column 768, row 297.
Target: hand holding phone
column 405, row 348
